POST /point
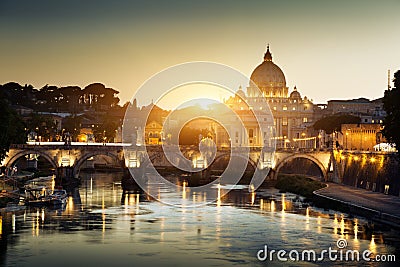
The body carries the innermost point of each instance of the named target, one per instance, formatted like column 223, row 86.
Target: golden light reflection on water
column 307, row 218
column 273, row 206
column 335, row 224
column 319, row 228
column 355, row 228
column 216, row 227
column 283, row 202
column 53, row 182
column 219, row 195
column 184, row 190
column 342, row 226
column 372, row 245
column 70, row 205
column 12, row 223
column 162, row 225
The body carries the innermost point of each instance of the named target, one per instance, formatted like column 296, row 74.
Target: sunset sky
column 329, row 49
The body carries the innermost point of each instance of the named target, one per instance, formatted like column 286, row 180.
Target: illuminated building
column 292, row 113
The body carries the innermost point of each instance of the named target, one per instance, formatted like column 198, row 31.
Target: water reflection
column 130, row 225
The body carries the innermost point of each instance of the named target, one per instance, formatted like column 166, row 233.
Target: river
column 101, row 226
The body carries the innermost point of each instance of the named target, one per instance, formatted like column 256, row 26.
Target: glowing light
column 373, row 159
column 356, row 158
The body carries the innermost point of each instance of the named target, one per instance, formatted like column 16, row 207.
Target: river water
column 101, row 226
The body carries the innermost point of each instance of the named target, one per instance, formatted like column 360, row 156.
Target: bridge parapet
column 141, row 156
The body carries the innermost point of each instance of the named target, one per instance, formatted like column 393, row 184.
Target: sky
column 328, row 49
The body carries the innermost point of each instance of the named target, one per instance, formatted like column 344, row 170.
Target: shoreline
column 348, row 201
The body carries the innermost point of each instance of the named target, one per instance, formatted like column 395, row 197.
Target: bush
column 297, row 184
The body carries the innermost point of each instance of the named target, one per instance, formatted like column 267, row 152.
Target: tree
column 12, row 129
column 106, row 131
column 333, row 123
column 72, row 125
column 391, row 104
column 44, row 126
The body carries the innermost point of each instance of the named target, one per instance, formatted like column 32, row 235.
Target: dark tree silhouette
column 12, row 129
column 391, row 104
column 334, row 122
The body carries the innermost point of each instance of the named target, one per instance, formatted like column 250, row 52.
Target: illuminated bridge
column 73, row 157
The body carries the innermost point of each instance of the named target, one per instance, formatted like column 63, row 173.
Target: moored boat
column 40, row 196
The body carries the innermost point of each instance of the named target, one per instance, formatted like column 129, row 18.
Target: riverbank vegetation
column 298, row 184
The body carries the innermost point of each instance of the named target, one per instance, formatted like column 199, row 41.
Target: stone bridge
column 74, row 156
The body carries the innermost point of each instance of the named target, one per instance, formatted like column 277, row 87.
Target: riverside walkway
column 382, row 207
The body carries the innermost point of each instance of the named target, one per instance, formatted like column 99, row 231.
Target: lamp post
column 303, row 136
column 319, row 141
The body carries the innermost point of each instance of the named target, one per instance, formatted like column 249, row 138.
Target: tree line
column 25, row 109
column 50, row 98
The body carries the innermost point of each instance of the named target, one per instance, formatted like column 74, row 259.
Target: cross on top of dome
column 268, row 55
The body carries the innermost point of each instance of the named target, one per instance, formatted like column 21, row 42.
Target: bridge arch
column 249, row 160
column 83, row 158
column 285, row 160
column 153, row 156
column 21, row 154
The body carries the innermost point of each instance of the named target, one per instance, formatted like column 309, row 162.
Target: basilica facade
column 292, row 113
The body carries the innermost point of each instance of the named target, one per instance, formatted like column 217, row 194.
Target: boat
column 39, row 196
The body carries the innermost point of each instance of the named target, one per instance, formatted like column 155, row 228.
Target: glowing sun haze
column 329, row 49
column 193, row 94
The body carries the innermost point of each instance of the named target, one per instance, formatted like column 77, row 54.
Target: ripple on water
column 122, row 210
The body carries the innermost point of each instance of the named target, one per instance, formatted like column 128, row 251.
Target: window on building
column 236, row 134
column 284, row 121
column 284, row 107
column 274, row 108
column 251, row 133
column 305, row 119
column 294, row 108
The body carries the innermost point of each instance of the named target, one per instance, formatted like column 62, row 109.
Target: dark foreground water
column 100, row 226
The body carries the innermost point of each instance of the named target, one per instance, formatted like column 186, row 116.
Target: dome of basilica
column 295, row 94
column 267, row 74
